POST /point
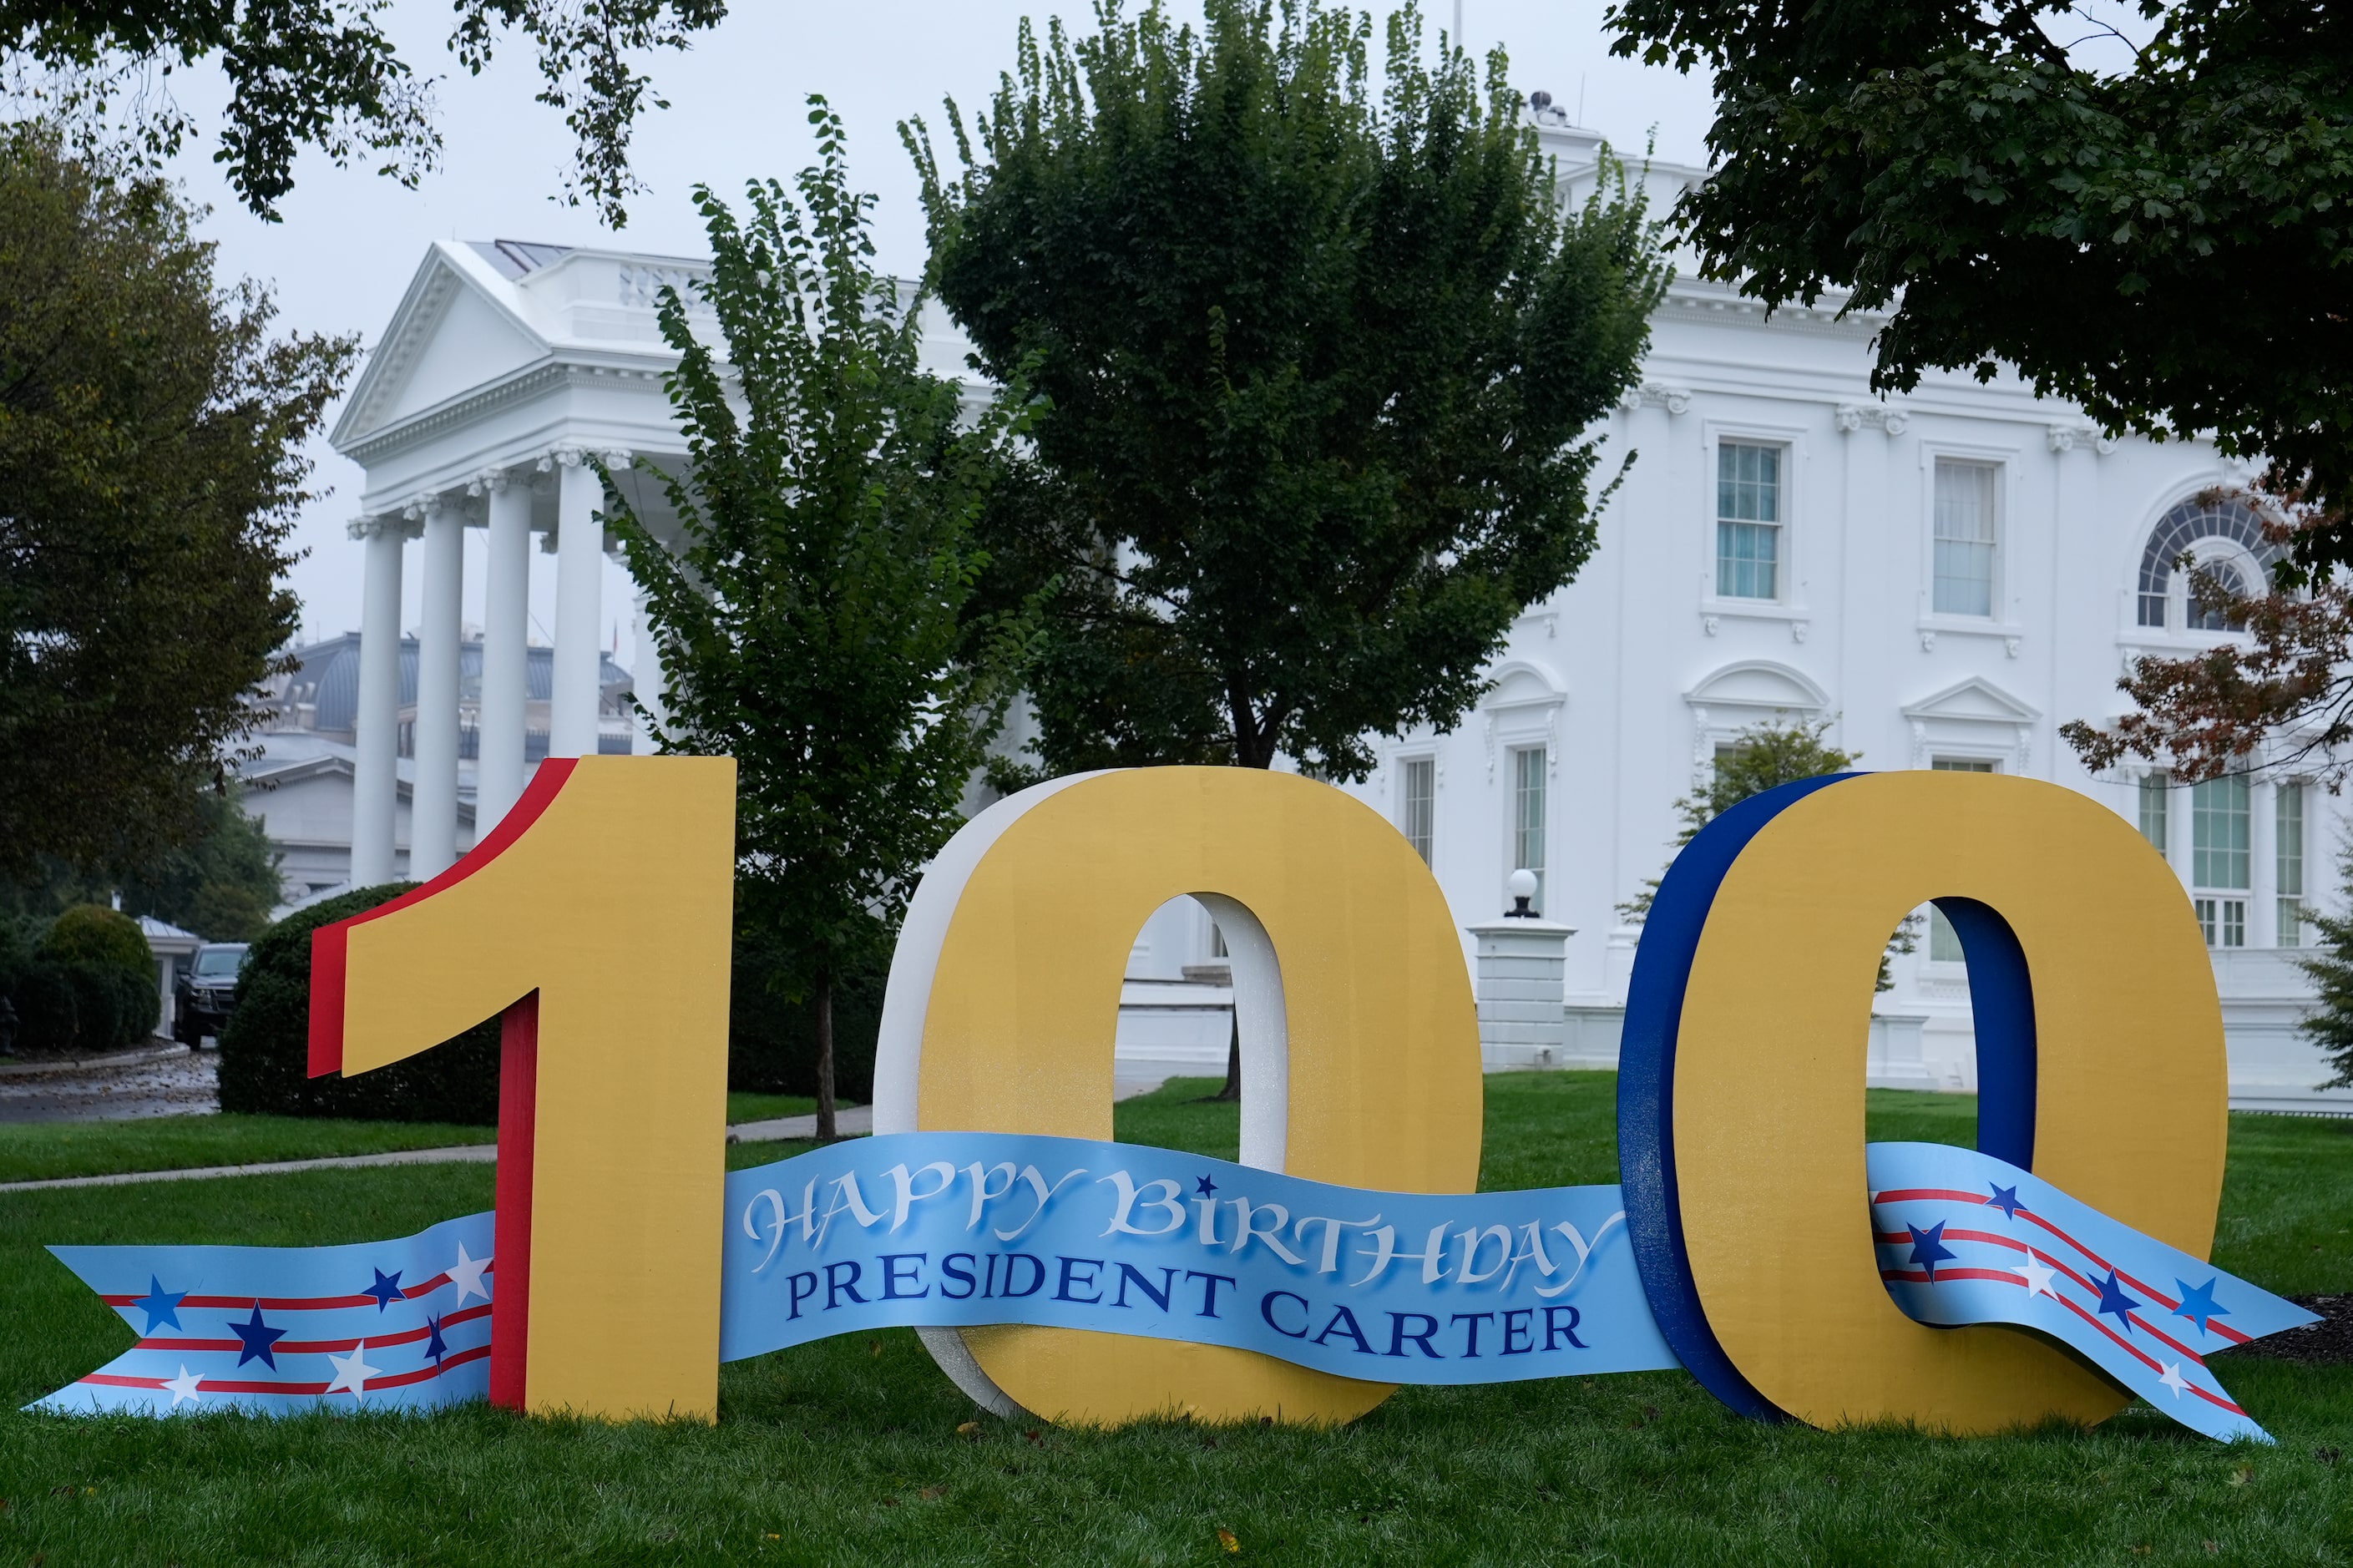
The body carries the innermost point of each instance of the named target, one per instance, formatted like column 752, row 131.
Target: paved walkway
column 851, row 1120
column 135, row 1085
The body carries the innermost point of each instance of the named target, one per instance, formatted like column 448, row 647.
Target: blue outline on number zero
column 2002, row 1001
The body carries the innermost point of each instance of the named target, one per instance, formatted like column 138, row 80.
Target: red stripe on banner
column 1920, row 1277
column 315, row 1347
column 518, row 1139
column 331, row 944
column 295, row 1303
column 1903, row 1238
column 239, row 1385
column 1910, row 1195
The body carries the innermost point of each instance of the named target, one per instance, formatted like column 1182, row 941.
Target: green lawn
column 41, row 1150
column 847, row 1451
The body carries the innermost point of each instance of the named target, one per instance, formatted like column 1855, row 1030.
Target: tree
column 2330, row 1024
column 2163, row 242
column 1320, row 355
column 322, row 74
column 151, row 468
column 1762, row 757
column 222, row 884
column 814, row 623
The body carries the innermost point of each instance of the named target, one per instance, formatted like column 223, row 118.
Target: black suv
column 205, row 992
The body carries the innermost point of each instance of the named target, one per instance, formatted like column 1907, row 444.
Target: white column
column 645, row 681
column 377, row 723
column 506, row 620
column 2262, row 864
column 579, row 572
column 433, row 816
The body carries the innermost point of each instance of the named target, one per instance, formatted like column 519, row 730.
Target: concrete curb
column 139, row 1058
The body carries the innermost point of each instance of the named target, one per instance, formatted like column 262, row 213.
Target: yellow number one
column 595, row 921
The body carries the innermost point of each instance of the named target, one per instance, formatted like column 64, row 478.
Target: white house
column 1945, row 579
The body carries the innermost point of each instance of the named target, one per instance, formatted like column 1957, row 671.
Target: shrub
column 96, row 935
column 47, row 1018
column 772, row 1042
column 265, row 1051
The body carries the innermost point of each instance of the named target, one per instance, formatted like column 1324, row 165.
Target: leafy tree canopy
column 322, row 74
column 151, row 466
column 1319, row 351
column 812, row 623
column 2166, row 243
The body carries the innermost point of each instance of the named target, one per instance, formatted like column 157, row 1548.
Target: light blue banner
column 967, row 1228
column 961, row 1230
column 1967, row 1238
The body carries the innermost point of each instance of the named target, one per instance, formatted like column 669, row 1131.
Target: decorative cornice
column 1673, row 399
column 1851, row 417
column 2065, row 436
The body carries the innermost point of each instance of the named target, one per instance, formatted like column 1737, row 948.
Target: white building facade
column 1944, row 579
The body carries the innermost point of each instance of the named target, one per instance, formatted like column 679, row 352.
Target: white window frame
column 1548, row 773
column 1789, row 603
column 2008, row 462
column 1939, row 464
column 1404, row 763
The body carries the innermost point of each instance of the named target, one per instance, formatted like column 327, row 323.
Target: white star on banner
column 467, row 1275
column 2038, row 1278
column 183, row 1386
column 352, row 1371
column 2172, row 1379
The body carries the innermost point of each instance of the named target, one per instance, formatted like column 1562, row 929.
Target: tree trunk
column 1233, row 1089
column 825, row 1133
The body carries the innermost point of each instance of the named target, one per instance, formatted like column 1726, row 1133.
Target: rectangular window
column 1419, row 804
column 2155, row 789
column 1943, row 941
column 2289, row 839
column 1528, row 817
column 1747, row 521
column 2218, row 834
column 1962, row 765
column 2224, row 922
column 1965, row 538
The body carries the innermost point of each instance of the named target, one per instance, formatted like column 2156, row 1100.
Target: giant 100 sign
column 596, row 921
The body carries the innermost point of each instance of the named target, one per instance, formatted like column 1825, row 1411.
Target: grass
column 847, row 1451
column 44, row 1150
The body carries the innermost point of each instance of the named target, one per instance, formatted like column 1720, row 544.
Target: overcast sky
column 350, row 240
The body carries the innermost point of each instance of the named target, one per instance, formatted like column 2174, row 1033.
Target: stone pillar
column 376, row 725
column 433, row 814
column 579, row 573
column 1522, row 1017
column 500, row 763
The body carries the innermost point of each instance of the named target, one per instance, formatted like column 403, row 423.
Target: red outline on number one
column 518, row 1077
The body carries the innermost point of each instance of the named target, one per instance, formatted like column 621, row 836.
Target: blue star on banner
column 1928, row 1247
column 386, row 1288
column 1205, row 1186
column 2199, row 1305
column 2005, row 1199
column 163, row 1306
column 256, row 1337
column 2114, row 1300
column 434, row 1347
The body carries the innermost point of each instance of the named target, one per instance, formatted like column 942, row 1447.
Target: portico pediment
column 1758, row 684
column 458, row 330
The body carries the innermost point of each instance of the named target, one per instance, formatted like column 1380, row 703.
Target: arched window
column 2229, row 520
column 2205, row 618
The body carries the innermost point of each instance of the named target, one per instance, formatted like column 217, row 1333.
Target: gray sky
column 351, row 240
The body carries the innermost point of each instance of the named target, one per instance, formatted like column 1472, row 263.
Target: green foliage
column 813, row 623
column 222, row 884
column 264, row 1053
column 1762, row 757
column 151, row 466
column 320, row 74
column 2123, row 229
column 772, row 1041
column 99, row 937
column 1320, row 352
column 2329, row 1024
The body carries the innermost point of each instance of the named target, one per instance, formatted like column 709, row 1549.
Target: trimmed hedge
column 772, row 1042
column 87, row 985
column 264, row 1053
